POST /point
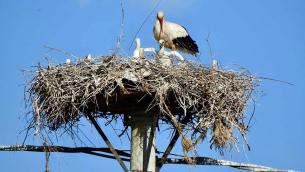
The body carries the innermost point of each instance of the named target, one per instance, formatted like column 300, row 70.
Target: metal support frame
column 171, row 144
column 113, row 151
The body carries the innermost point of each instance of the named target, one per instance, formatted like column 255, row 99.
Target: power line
column 92, row 151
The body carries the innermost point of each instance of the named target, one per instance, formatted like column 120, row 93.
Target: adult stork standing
column 174, row 35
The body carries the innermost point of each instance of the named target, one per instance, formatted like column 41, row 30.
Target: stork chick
column 162, row 57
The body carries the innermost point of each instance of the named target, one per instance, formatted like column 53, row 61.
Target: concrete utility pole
column 143, row 141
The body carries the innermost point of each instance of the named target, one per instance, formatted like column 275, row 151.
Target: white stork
column 163, row 56
column 136, row 52
column 87, row 57
column 68, row 61
column 174, row 35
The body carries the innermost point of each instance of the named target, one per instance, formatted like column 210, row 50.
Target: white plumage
column 88, row 57
column 136, row 52
column 162, row 56
column 68, row 61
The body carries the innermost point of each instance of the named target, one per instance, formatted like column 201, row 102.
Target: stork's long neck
column 137, row 45
column 160, row 53
column 136, row 52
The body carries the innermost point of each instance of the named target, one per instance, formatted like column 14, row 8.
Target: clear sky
column 266, row 37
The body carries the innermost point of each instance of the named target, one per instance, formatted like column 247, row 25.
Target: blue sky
column 266, row 37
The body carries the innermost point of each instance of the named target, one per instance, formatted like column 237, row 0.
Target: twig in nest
column 119, row 41
column 63, row 52
column 211, row 53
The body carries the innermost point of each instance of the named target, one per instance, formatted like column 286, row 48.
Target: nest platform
column 214, row 99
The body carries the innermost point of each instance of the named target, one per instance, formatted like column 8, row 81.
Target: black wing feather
column 186, row 42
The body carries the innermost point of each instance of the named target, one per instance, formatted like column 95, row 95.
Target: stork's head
column 161, row 43
column 160, row 17
column 138, row 42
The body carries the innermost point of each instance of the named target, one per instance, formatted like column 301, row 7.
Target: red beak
column 161, row 23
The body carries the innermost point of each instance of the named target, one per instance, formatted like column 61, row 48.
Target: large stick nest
column 214, row 99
